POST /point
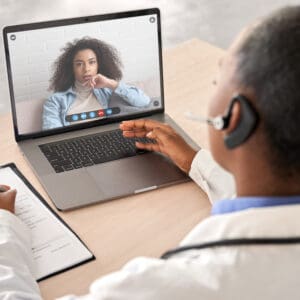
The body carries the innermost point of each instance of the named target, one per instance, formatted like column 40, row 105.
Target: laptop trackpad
column 72, row 189
column 129, row 175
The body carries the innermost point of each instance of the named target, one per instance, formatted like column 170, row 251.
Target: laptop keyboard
column 90, row 150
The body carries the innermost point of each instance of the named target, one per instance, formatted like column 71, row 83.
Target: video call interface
column 72, row 74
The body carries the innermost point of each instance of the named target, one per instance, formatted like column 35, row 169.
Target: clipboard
column 53, row 216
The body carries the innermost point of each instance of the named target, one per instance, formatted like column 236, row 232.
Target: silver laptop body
column 31, row 52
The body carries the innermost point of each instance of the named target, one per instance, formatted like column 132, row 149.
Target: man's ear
column 242, row 121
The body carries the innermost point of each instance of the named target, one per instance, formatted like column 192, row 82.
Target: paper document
column 55, row 247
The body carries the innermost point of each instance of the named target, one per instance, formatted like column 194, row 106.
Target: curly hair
column 63, row 77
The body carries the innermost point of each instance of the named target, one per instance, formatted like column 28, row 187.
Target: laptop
column 66, row 122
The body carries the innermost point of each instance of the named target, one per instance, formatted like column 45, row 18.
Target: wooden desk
column 146, row 224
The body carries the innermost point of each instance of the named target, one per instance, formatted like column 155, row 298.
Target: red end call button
column 101, row 113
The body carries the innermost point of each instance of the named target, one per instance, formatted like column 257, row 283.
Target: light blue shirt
column 233, row 205
column 57, row 105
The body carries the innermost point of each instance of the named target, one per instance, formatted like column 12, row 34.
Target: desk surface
column 147, row 224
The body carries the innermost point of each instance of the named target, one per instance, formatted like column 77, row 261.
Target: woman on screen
column 86, row 75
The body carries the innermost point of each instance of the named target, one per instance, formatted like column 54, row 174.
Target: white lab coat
column 239, row 272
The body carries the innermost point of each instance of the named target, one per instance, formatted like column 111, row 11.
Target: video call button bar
column 93, row 114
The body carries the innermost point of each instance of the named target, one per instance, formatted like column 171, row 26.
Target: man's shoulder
column 248, row 223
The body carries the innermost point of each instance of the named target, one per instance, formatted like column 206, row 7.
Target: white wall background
column 34, row 52
column 215, row 21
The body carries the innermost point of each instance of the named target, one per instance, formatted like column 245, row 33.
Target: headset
column 281, row 241
column 245, row 127
column 247, row 123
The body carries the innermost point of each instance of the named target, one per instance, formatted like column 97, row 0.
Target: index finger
column 145, row 124
column 4, row 188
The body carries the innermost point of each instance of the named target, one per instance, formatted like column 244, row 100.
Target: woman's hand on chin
column 100, row 81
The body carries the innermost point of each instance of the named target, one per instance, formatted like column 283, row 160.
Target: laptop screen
column 69, row 72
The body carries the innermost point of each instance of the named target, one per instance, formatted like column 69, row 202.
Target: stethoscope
column 280, row 241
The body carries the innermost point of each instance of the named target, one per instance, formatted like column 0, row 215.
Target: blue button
column 83, row 116
column 92, row 114
column 109, row 111
column 75, row 118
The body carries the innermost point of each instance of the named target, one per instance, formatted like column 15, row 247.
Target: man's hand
column 101, row 81
column 168, row 141
column 7, row 198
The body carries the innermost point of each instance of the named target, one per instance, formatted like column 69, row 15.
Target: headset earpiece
column 247, row 123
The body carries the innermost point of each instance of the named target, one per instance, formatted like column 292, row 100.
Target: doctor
column 256, row 138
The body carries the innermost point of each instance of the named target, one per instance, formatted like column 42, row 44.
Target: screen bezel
column 72, row 21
